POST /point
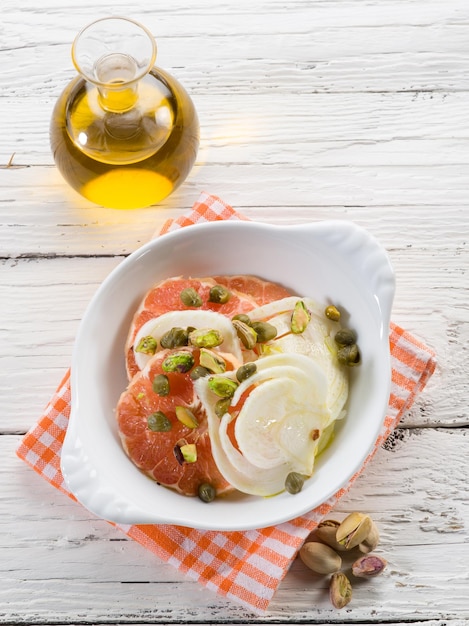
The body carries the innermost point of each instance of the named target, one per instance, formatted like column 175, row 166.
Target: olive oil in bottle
column 124, row 133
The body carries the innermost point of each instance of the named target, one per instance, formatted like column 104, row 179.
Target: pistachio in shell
column 368, row 566
column 354, row 529
column 320, row 558
column 340, row 590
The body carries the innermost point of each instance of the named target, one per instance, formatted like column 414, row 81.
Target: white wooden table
column 309, row 109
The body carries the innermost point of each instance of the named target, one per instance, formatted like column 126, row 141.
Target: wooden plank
column 415, row 490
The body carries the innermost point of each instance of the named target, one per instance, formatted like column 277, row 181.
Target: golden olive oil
column 125, row 148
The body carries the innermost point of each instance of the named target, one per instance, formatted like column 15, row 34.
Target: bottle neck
column 117, row 85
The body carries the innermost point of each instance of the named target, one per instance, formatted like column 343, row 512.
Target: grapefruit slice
column 157, row 453
column 246, row 293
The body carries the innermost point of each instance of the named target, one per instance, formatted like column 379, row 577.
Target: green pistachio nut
column 222, row 387
column 147, row 345
column 206, row 338
column 212, row 361
column 300, row 318
column 186, row 417
column 189, row 452
column 178, row 362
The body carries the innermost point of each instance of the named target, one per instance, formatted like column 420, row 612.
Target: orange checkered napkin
column 244, row 566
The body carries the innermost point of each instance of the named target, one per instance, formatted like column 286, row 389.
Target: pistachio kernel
column 212, row 361
column 368, row 566
column 265, row 331
column 246, row 334
column 189, row 452
column 206, row 492
column 206, row 338
column 161, row 385
column 300, row 318
column 190, row 297
column 294, row 482
column 320, row 558
column 245, row 371
column 326, row 532
column 186, row 417
column 174, row 338
column 178, row 362
column 147, row 345
column 159, row 423
column 332, row 313
column 340, row 590
column 219, row 294
column 222, row 387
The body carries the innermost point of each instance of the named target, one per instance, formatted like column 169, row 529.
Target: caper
column 206, row 338
column 349, row 355
column 199, row 372
column 161, row 385
column 206, row 492
column 345, row 337
column 178, row 362
column 147, row 345
column 222, row 406
column 219, row 294
column 175, row 338
column 246, row 334
column 222, row 387
column 332, row 313
column 245, row 371
column 265, row 331
column 158, row 422
column 190, row 297
column 242, row 317
column 294, row 482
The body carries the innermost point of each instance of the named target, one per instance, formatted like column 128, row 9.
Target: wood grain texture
column 309, row 110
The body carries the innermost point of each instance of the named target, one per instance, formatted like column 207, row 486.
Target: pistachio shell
column 246, row 334
column 340, row 590
column 326, row 532
column 353, row 530
column 320, row 558
column 371, row 541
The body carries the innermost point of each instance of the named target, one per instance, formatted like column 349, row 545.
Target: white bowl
column 331, row 261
